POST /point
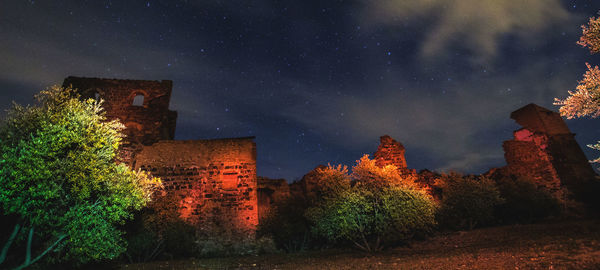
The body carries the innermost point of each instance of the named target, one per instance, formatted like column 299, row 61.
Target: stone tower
column 142, row 106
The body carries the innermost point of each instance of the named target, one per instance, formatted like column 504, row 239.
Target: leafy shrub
column 467, row 201
column 370, row 219
column 367, row 174
column 524, row 202
column 286, row 224
column 329, row 182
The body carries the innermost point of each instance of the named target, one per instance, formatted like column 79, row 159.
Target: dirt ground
column 558, row 245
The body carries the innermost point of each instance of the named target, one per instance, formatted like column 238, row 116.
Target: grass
column 571, row 244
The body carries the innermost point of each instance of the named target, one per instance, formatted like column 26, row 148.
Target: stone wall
column 215, row 181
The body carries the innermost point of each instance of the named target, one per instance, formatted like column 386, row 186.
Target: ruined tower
column 390, row 152
column 545, row 150
column 142, row 106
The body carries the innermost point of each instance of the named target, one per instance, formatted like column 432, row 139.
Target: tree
column 585, row 100
column 58, row 176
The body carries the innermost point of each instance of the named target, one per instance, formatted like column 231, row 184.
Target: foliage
column 524, row 202
column 58, row 175
column 590, row 36
column 286, row 225
column 382, row 208
column 467, row 201
column 373, row 219
column 367, row 174
column 585, row 100
column 158, row 231
column 331, row 181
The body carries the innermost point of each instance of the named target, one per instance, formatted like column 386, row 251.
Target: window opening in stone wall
column 138, row 100
column 96, row 96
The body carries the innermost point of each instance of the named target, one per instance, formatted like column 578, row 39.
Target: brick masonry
column 215, row 181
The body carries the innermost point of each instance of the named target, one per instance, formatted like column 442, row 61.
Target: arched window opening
column 138, row 100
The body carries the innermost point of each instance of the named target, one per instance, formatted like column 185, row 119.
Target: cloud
column 476, row 25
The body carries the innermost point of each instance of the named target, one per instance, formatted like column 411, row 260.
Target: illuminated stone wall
column 215, row 181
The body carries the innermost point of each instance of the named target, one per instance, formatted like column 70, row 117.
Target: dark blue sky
column 318, row 82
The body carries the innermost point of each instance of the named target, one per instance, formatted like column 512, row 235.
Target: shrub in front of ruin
column 467, row 201
column 524, row 201
column 371, row 220
column 158, row 232
column 287, row 225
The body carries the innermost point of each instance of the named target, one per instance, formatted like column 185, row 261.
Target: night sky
column 318, row 81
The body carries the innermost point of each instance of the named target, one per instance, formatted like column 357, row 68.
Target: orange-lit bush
column 382, row 208
column 366, row 173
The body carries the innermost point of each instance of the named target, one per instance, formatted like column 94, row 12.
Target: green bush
column 467, row 201
column 371, row 220
column 524, row 202
column 58, row 175
column 286, row 224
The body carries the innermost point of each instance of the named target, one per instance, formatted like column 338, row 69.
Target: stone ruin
column 545, row 151
column 215, row 180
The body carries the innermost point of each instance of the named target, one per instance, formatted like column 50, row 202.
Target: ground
column 570, row 244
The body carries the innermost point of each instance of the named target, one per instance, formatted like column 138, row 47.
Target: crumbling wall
column 142, row 106
column 215, row 181
column 545, row 151
column 527, row 156
column 390, row 152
